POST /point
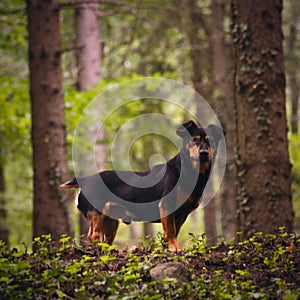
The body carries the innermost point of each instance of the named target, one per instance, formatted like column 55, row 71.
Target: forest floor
column 261, row 267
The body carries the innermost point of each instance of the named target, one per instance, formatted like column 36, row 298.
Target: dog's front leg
column 169, row 227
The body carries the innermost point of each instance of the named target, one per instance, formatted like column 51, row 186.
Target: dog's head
column 200, row 143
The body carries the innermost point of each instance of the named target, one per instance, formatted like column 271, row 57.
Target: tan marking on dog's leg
column 95, row 220
column 102, row 228
column 109, row 229
column 90, row 232
column 169, row 229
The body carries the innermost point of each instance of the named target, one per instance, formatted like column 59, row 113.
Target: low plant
column 265, row 266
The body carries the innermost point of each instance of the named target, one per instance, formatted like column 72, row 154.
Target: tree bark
column 210, row 223
column 148, row 230
column 50, row 215
column 88, row 47
column 223, row 82
column 292, row 76
column 263, row 166
column 210, row 219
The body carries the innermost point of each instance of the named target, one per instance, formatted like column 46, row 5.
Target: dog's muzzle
column 203, row 155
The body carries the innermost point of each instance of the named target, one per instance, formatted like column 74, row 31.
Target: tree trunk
column 292, row 76
column 50, row 215
column 89, row 67
column 4, row 233
column 210, row 221
column 263, row 166
column 88, row 45
column 148, row 230
column 223, row 81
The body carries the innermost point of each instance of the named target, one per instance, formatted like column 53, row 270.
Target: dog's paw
column 174, row 246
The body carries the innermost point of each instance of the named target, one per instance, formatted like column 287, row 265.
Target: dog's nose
column 203, row 148
column 203, row 151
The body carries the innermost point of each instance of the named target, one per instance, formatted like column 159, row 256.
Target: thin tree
column 292, row 65
column 263, row 166
column 88, row 44
column 193, row 25
column 50, row 212
column 89, row 58
column 224, row 105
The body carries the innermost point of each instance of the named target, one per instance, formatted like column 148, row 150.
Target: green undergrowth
column 265, row 266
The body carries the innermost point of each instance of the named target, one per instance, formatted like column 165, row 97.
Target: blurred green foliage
column 15, row 157
column 295, row 160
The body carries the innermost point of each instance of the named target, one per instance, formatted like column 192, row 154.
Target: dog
column 177, row 193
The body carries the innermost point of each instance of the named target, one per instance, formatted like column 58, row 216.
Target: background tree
column 88, row 54
column 292, row 61
column 264, row 171
column 50, row 213
column 196, row 28
column 224, row 106
column 88, row 44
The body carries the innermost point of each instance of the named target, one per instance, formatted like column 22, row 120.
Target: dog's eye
column 195, row 141
column 208, row 139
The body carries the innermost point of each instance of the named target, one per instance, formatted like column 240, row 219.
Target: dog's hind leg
column 102, row 228
column 95, row 220
column 109, row 229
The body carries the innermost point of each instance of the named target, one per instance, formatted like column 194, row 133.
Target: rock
column 171, row 270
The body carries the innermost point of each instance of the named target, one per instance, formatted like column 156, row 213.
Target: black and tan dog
column 177, row 193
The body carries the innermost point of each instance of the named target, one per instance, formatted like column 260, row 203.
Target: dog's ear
column 186, row 128
column 217, row 132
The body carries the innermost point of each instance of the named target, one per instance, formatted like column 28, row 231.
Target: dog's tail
column 70, row 184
